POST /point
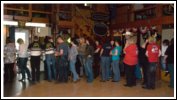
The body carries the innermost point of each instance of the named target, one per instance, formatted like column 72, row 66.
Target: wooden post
column 30, row 11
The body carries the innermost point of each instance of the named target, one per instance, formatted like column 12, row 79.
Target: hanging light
column 35, row 24
column 13, row 23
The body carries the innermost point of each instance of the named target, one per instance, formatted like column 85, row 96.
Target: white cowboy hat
column 127, row 33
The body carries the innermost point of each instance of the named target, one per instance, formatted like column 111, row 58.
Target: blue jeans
column 89, row 69
column 73, row 70
column 62, row 69
column 105, row 68
column 50, row 60
column 171, row 71
column 82, row 68
column 151, row 75
column 138, row 71
column 23, row 66
column 116, row 70
column 162, row 62
column 110, row 69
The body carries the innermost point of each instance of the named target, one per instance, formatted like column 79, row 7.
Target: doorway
column 23, row 34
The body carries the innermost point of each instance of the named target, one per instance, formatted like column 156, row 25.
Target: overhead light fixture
column 35, row 24
column 13, row 23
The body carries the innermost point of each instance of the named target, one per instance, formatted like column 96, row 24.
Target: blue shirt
column 116, row 57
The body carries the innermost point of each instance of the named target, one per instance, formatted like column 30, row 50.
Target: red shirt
column 153, row 52
column 131, row 55
column 99, row 46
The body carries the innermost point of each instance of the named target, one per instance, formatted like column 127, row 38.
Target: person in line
column 89, row 61
column 72, row 59
column 164, row 47
column 111, row 69
column 105, row 61
column 35, row 52
column 50, row 59
column 169, row 58
column 62, row 60
column 153, row 53
column 143, row 60
column 116, row 52
column 97, row 58
column 23, row 58
column 130, row 61
column 81, row 51
column 9, row 60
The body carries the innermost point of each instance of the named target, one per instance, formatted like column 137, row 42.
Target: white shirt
column 164, row 48
column 23, row 53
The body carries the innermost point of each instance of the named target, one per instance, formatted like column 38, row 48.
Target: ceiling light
column 14, row 23
column 36, row 24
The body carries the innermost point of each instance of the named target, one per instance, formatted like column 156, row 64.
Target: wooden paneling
column 40, row 20
column 122, row 14
column 65, row 24
column 22, row 18
column 102, row 8
column 154, row 21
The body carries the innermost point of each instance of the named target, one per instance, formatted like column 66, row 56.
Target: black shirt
column 89, row 50
column 170, row 53
column 142, row 56
column 106, row 49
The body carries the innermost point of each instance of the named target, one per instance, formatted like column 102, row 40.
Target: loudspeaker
column 100, row 29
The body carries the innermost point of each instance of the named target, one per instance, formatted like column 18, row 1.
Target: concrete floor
column 83, row 89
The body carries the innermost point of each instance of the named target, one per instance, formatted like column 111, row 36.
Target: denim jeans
column 23, row 66
column 110, row 69
column 62, row 69
column 145, row 71
column 105, row 68
column 73, row 70
column 130, row 74
column 171, row 71
column 82, row 68
column 162, row 62
column 51, row 70
column 116, row 70
column 138, row 72
column 89, row 69
column 151, row 75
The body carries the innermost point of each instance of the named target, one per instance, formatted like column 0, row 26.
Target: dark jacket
column 89, row 51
